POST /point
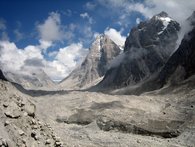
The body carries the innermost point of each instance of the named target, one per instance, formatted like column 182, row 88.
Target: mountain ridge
column 145, row 52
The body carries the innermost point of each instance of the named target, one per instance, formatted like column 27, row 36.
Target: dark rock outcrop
column 147, row 49
column 2, row 77
column 182, row 61
column 180, row 66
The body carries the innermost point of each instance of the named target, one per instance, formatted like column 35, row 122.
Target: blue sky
column 24, row 15
column 54, row 35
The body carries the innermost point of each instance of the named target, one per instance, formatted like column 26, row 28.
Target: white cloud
column 71, row 55
column 90, row 5
column 11, row 58
column 31, row 58
column 115, row 36
column 86, row 16
column 51, row 30
column 138, row 20
column 177, row 9
column 44, row 44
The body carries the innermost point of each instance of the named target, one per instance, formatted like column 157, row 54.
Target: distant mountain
column 101, row 52
column 30, row 80
column 147, row 49
column 2, row 77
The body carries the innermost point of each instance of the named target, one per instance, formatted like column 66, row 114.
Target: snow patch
column 165, row 21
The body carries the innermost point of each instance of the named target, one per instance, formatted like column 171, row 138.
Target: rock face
column 147, row 49
column 102, row 51
column 19, row 125
column 36, row 79
column 179, row 67
column 181, row 64
column 2, row 77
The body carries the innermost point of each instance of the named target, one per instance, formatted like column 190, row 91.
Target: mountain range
column 149, row 50
column 37, row 79
column 143, row 95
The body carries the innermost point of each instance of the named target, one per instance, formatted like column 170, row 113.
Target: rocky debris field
column 19, row 125
column 89, row 119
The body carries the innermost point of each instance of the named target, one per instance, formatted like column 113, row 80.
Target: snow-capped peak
column 165, row 20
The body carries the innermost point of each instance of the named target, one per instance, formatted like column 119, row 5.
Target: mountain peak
column 99, row 42
column 162, row 14
column 101, row 37
column 102, row 51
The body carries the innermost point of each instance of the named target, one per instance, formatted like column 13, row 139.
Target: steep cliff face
column 179, row 67
column 102, row 51
column 182, row 62
column 147, row 49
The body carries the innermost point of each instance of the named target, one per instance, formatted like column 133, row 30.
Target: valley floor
column 81, row 118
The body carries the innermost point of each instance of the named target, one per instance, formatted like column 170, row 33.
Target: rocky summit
column 147, row 49
column 101, row 53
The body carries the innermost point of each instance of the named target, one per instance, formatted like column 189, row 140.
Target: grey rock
column 147, row 49
column 30, row 108
column 81, row 117
column 7, row 123
column 20, row 132
column 13, row 111
column 5, row 104
column 48, row 141
column 3, row 142
column 31, row 80
column 95, row 65
column 179, row 67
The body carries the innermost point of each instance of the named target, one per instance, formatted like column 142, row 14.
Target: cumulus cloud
column 36, row 62
column 65, row 61
column 71, row 55
column 115, row 36
column 51, row 30
column 30, row 58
